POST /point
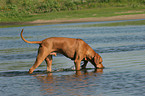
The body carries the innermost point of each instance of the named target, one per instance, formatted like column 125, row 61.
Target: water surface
column 122, row 49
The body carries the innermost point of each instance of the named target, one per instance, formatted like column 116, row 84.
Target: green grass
column 75, row 14
column 30, row 10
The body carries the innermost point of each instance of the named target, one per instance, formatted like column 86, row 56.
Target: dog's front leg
column 48, row 61
column 77, row 64
column 84, row 65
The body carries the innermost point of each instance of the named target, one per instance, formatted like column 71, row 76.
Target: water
column 122, row 49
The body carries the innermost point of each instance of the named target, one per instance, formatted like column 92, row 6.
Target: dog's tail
column 32, row 42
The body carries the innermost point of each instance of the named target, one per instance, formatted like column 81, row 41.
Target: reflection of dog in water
column 51, row 83
column 75, row 49
column 49, row 76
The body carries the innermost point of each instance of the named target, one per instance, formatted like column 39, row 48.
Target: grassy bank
column 75, row 14
column 19, row 12
column 30, row 10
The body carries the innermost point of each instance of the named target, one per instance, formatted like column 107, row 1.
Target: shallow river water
column 122, row 49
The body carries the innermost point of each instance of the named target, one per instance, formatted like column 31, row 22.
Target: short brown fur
column 75, row 49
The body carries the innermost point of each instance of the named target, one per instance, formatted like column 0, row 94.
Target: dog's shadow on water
column 43, row 73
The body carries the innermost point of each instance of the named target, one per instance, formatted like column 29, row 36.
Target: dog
column 75, row 49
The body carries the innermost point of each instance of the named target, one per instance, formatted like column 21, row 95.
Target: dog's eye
column 100, row 62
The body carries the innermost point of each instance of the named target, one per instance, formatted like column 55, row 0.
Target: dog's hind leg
column 43, row 52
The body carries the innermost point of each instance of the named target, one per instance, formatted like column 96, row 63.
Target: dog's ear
column 96, row 59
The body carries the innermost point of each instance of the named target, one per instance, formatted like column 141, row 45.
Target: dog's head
column 97, row 60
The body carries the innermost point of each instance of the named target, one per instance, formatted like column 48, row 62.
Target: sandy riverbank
column 113, row 18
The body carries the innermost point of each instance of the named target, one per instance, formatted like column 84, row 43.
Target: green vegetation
column 30, row 10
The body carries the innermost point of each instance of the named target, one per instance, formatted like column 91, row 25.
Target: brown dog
column 75, row 49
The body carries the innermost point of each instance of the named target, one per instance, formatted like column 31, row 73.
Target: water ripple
column 99, row 50
column 120, row 48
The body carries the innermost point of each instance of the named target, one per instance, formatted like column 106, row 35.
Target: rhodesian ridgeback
column 75, row 49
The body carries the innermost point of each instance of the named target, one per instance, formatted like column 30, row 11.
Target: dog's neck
column 90, row 54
